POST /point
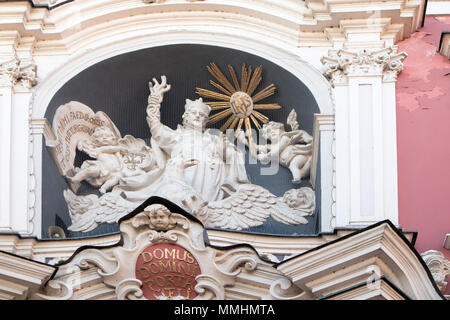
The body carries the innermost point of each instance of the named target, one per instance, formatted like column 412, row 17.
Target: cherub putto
column 116, row 158
column 160, row 217
column 105, row 172
column 294, row 148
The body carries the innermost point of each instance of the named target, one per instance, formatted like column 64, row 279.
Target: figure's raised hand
column 157, row 89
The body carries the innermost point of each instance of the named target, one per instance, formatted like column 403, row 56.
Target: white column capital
column 341, row 64
column 18, row 72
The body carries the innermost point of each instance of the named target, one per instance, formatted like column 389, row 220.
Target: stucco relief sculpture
column 199, row 169
column 116, row 158
column 163, row 256
column 292, row 149
column 20, row 72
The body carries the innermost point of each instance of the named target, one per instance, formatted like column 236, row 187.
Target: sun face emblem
column 237, row 100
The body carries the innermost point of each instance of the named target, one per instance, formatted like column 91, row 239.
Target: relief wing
column 292, row 120
column 107, row 209
column 249, row 206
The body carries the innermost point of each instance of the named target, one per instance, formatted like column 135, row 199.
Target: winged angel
column 198, row 169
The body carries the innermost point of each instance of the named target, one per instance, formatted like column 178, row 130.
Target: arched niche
column 283, row 68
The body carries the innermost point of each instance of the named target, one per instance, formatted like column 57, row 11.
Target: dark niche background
column 119, row 87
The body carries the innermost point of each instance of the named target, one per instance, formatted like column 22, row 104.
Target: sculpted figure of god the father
column 195, row 161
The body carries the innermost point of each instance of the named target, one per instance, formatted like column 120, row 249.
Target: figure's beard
column 195, row 125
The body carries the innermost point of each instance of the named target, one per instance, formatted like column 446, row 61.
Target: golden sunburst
column 237, row 101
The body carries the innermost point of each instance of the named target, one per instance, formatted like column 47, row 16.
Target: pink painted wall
column 423, row 137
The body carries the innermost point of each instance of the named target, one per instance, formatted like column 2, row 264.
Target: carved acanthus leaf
column 14, row 72
column 439, row 267
column 385, row 62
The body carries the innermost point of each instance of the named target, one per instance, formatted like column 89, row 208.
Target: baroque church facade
column 224, row 150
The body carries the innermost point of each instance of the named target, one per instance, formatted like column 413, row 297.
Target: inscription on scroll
column 73, row 122
column 167, row 271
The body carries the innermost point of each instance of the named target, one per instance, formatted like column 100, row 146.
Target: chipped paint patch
column 423, row 134
column 419, row 99
column 424, row 79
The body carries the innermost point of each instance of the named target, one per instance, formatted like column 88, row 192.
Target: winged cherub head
column 301, row 199
column 159, row 217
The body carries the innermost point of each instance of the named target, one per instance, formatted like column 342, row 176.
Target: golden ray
column 241, row 121
column 217, row 104
column 264, row 93
column 248, row 128
column 234, row 77
column 254, row 82
column 247, row 79
column 238, row 129
column 220, row 107
column 270, row 106
column 216, row 73
column 219, row 116
column 237, row 119
column 218, row 86
column 243, row 76
column 260, row 116
column 255, row 122
column 233, row 125
column 211, row 94
column 226, row 125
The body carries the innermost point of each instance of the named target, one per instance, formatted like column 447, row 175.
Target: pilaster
column 17, row 77
column 366, row 149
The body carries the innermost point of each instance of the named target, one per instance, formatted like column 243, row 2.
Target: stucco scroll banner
column 74, row 122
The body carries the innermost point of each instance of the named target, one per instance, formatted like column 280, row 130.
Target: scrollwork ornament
column 279, row 290
column 249, row 263
column 156, row 237
column 106, row 264
column 129, row 289
column 56, row 290
column 209, row 288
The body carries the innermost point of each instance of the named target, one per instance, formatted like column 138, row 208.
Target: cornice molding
column 338, row 265
column 310, row 23
column 20, row 277
column 60, row 250
column 49, row 4
column 383, row 290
